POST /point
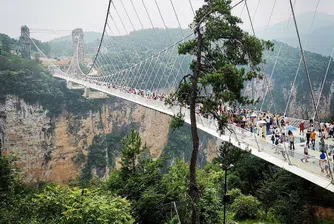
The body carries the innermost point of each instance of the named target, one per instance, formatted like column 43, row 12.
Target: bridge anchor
column 89, row 94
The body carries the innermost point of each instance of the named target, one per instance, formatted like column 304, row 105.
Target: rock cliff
column 56, row 149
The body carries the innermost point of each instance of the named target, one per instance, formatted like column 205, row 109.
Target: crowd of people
column 148, row 94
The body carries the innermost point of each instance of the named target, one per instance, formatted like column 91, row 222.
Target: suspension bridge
column 147, row 79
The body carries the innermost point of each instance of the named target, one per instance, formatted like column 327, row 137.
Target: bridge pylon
column 25, row 44
column 78, row 50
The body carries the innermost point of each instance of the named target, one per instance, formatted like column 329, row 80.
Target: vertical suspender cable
column 323, row 83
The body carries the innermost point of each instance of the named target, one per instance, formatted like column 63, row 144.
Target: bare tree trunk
column 194, row 192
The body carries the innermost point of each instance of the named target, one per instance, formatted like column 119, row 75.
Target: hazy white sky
column 90, row 14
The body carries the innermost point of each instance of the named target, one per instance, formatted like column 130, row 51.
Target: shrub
column 235, row 193
column 245, row 207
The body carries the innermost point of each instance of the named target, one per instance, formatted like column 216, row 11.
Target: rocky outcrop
column 47, row 147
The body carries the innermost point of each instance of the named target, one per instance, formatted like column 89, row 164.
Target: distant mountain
column 320, row 38
column 320, row 41
column 89, row 37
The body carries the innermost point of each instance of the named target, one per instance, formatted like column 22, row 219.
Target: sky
column 65, row 15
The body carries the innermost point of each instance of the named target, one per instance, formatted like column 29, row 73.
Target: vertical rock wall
column 47, row 147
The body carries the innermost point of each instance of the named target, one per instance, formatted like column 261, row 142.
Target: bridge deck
column 237, row 136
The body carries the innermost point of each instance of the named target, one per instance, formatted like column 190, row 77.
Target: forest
column 147, row 191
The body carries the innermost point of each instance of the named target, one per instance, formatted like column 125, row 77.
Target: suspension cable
column 177, row 17
column 119, row 33
column 133, row 6
column 304, row 60
column 120, row 18
column 276, row 58
column 104, row 29
column 300, row 61
column 149, row 17
column 163, row 20
column 257, row 8
column 192, row 8
column 127, row 14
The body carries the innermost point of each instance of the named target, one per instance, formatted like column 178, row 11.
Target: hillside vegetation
column 28, row 80
column 155, row 193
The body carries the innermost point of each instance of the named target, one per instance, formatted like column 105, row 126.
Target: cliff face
column 48, row 147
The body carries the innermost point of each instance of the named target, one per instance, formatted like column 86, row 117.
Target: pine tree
column 222, row 50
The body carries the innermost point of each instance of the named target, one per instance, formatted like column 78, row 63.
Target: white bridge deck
column 238, row 137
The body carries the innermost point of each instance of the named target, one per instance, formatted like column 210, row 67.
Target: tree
column 246, row 207
column 132, row 147
column 219, row 47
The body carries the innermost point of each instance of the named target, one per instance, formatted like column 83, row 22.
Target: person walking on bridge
column 313, row 137
column 292, row 140
column 301, row 127
column 308, row 136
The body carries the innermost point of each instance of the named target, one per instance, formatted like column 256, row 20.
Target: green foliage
column 132, row 147
column 246, row 207
column 210, row 205
column 152, row 194
column 44, row 47
column 179, row 146
column 81, row 206
column 176, row 122
column 7, row 43
column 291, row 209
column 103, row 152
column 234, row 194
column 29, row 81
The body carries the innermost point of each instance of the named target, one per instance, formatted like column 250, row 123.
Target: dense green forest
column 149, row 191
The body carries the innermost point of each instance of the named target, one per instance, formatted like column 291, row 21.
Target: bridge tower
column 78, row 45
column 25, row 44
column 2, row 130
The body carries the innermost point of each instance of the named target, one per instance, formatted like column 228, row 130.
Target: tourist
column 322, row 161
column 273, row 138
column 331, row 131
column 313, row 137
column 301, row 128
column 292, row 140
column 306, row 146
column 308, row 136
